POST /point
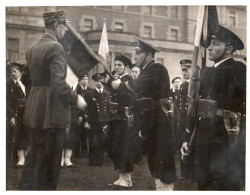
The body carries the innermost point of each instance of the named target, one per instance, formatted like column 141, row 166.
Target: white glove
column 81, row 104
column 115, row 84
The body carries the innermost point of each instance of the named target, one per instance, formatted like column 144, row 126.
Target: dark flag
column 79, row 55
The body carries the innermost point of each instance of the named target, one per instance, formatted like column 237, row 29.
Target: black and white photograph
column 109, row 97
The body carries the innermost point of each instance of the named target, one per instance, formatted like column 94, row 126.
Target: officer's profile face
column 177, row 84
column 15, row 73
column 186, row 73
column 98, row 84
column 61, row 29
column 139, row 57
column 84, row 81
column 119, row 67
column 135, row 72
column 216, row 50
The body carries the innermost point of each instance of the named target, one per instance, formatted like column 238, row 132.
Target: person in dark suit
column 219, row 112
column 16, row 97
column 154, row 91
column 97, row 120
column 47, row 111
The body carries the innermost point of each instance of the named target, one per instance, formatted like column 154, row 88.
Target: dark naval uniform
column 218, row 163
column 98, row 117
column 153, row 83
column 122, row 133
column 181, row 104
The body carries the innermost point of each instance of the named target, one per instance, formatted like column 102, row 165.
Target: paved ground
column 86, row 178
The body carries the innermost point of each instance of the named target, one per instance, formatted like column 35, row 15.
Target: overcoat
column 153, row 82
column 219, row 159
column 49, row 102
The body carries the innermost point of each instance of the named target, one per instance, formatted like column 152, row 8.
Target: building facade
column 171, row 29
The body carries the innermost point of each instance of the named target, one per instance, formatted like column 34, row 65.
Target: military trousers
column 42, row 166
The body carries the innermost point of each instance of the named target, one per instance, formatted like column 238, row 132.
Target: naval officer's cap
column 225, row 35
column 99, row 76
column 145, row 47
column 185, row 63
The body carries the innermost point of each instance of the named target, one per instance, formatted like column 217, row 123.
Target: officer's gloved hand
column 81, row 104
column 116, row 83
column 13, row 122
column 86, row 125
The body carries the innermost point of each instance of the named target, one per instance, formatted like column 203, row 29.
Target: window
column 12, row 49
column 118, row 26
column 147, row 10
column 174, row 11
column 147, row 31
column 160, row 60
column 88, row 24
column 232, row 18
column 174, row 34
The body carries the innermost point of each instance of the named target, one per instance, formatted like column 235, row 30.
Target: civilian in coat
column 16, row 97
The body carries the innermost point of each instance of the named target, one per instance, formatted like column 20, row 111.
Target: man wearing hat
column 176, row 84
column 97, row 119
column 181, row 105
column 16, row 97
column 220, row 110
column 153, row 87
column 122, row 136
column 47, row 110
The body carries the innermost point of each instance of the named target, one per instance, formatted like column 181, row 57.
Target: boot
column 21, row 158
column 158, row 184
column 125, row 180
column 67, row 157
column 62, row 160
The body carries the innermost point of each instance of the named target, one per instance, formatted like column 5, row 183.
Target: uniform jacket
column 153, row 82
column 49, row 102
column 97, row 106
column 226, row 84
column 123, row 98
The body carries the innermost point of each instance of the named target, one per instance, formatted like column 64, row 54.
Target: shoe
column 71, row 166
column 19, row 166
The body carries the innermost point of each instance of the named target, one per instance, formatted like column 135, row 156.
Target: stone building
column 171, row 29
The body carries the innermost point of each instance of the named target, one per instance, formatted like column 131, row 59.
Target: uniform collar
column 218, row 63
column 120, row 76
column 147, row 64
column 98, row 90
column 51, row 35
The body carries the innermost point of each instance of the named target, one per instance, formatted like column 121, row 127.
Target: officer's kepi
column 98, row 76
column 145, row 47
column 52, row 17
column 224, row 35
